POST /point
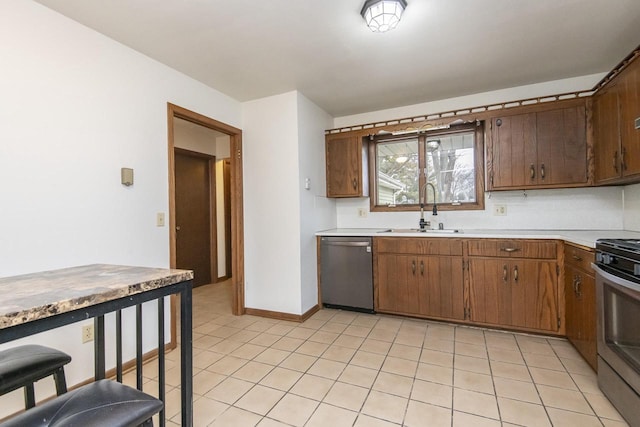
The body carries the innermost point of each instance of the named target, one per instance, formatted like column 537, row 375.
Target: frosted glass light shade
column 383, row 15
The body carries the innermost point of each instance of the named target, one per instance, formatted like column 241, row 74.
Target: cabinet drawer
column 418, row 246
column 579, row 257
column 510, row 248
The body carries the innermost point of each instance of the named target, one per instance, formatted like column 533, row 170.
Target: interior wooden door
column 193, row 175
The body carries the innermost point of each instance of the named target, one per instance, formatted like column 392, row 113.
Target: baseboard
column 129, row 365
column 282, row 316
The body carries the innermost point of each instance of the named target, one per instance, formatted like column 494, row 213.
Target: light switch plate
column 126, row 175
column 160, row 219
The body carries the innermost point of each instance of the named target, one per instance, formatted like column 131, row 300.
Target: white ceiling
column 250, row 49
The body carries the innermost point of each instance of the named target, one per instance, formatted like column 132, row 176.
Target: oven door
column 618, row 302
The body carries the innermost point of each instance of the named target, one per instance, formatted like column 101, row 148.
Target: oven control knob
column 607, row 259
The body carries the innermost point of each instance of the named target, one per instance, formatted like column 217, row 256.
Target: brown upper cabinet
column 616, row 107
column 542, row 147
column 346, row 166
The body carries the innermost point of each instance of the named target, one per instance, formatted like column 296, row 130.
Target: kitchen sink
column 417, row 230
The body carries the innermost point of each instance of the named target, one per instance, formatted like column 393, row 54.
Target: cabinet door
column 629, row 112
column 606, row 134
column 440, row 287
column 397, row 284
column 535, row 294
column 561, row 137
column 573, row 309
column 344, row 167
column 489, row 291
column 514, row 151
column 514, row 293
column 581, row 312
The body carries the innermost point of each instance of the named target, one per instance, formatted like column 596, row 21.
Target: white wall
column 76, row 107
column 600, row 208
column 194, row 137
column 271, row 204
column 316, row 211
column 283, row 139
column 632, row 207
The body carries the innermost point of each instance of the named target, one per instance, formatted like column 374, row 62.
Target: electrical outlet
column 500, row 210
column 160, row 219
column 87, row 333
column 362, row 213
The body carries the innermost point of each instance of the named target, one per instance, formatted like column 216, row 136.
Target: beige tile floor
column 341, row 368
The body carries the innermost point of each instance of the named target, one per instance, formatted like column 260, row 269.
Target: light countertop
column 580, row 237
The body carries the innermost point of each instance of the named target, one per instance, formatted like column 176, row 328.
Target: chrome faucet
column 423, row 200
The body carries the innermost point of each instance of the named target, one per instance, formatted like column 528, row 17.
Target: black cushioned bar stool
column 104, row 403
column 22, row 366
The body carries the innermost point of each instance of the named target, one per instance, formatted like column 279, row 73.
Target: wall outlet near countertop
column 362, row 213
column 499, row 210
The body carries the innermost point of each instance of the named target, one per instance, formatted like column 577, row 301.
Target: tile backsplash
column 571, row 209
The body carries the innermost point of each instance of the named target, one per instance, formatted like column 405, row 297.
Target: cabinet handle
column 515, row 274
column 422, row 268
column 542, row 173
column 615, row 161
column 532, row 171
column 413, row 267
column 509, row 249
column 623, row 164
column 505, row 273
column 355, row 184
column 577, row 258
column 577, row 283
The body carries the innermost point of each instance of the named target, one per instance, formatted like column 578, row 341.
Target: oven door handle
column 617, row 282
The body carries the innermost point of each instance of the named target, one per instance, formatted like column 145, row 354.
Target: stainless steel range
column 618, row 300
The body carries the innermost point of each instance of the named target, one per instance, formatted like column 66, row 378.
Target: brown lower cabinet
column 495, row 282
column 420, row 277
column 514, row 293
column 580, row 296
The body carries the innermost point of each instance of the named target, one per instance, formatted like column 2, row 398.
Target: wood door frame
column 213, row 217
column 237, row 219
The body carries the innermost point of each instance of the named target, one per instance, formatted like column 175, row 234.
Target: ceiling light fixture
column 383, row 15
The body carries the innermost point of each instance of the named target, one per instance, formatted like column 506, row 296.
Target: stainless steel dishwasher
column 346, row 272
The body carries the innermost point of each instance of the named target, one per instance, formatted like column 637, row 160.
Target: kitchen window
column 451, row 159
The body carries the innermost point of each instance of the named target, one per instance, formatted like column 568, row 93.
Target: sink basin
column 417, row 230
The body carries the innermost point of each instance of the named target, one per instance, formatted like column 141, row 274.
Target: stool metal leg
column 29, row 396
column 61, row 382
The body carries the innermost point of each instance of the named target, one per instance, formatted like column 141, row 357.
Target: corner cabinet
column 545, row 147
column 616, row 140
column 514, row 284
column 580, row 295
column 346, row 160
column 420, row 277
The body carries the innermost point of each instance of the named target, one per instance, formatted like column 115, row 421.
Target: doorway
column 233, row 216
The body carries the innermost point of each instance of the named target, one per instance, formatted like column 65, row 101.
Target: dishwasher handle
column 330, row 243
